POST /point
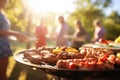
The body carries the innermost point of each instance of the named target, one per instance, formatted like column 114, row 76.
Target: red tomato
column 102, row 59
column 72, row 65
column 106, row 55
column 104, row 41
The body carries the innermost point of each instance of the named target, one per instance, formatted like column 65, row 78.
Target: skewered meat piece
column 44, row 48
column 49, row 58
column 88, row 59
column 83, row 64
column 69, row 55
column 44, row 56
column 33, row 57
column 80, row 64
column 63, row 55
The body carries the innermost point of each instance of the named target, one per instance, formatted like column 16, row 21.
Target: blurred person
column 40, row 33
column 81, row 35
column 5, row 32
column 100, row 31
column 62, row 31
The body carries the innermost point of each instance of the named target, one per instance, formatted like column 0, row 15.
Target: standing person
column 100, row 31
column 62, row 32
column 5, row 50
column 80, row 34
column 40, row 33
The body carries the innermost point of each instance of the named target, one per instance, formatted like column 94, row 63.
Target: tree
column 112, row 23
column 15, row 13
column 87, row 11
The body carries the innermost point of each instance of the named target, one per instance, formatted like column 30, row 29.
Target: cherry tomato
column 72, row 65
column 102, row 59
column 104, row 41
column 106, row 55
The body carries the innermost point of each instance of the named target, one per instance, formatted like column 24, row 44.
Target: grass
column 34, row 75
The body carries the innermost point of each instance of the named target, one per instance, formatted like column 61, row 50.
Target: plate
column 67, row 73
column 115, row 47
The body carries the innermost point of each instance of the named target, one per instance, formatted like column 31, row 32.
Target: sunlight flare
column 43, row 6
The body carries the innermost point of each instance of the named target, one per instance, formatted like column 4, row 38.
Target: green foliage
column 102, row 3
column 112, row 23
column 88, row 10
column 15, row 12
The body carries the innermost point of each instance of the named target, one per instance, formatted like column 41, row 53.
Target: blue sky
column 114, row 7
